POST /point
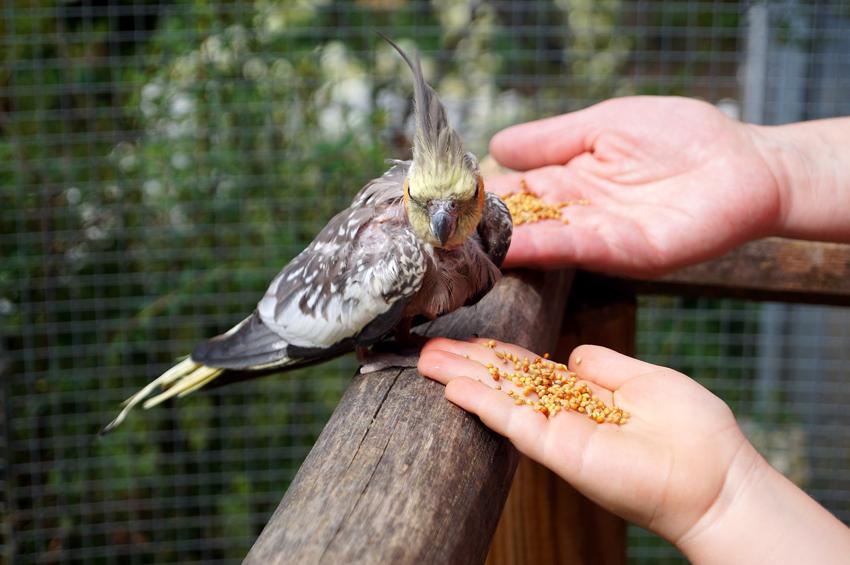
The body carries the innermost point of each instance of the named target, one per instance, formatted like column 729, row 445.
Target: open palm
column 680, row 452
column 671, row 182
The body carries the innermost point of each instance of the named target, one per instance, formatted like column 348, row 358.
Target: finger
column 583, row 241
column 445, row 360
column 476, row 352
column 551, row 141
column 494, row 345
column 552, row 245
column 444, row 367
column 506, row 357
column 551, row 183
column 607, row 367
column 556, row 184
column 522, row 425
column 595, row 240
column 540, row 438
column 482, row 349
column 475, row 348
column 504, row 184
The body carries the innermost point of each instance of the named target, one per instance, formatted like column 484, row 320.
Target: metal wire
column 160, row 161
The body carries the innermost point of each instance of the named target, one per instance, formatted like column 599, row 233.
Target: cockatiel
column 422, row 240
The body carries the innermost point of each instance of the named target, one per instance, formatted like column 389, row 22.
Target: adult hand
column 671, row 182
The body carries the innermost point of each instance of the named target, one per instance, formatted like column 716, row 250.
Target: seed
column 491, row 344
column 578, row 360
column 526, row 207
column 555, row 387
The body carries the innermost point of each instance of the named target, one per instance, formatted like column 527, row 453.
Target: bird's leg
column 408, row 341
column 402, row 352
column 379, row 360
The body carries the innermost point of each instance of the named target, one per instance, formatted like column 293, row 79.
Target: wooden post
column 545, row 520
column 399, row 475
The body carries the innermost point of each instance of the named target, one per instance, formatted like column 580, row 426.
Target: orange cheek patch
column 480, row 190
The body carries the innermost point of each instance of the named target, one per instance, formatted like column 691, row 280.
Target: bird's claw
column 382, row 361
column 381, row 357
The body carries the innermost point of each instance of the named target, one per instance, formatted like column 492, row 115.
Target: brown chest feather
column 453, row 279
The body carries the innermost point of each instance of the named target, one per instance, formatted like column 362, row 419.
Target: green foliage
column 156, row 170
column 228, row 150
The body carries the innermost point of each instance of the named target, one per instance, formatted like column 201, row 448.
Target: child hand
column 674, row 465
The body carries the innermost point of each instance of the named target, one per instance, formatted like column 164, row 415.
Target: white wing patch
column 335, row 288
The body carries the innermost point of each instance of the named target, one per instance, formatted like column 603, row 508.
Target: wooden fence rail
column 399, row 475
column 772, row 269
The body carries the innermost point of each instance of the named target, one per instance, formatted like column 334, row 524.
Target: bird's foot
column 382, row 361
column 388, row 355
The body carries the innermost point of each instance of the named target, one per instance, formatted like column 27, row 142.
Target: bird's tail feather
column 181, row 379
column 190, row 382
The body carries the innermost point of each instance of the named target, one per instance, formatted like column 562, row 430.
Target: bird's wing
column 352, row 274
column 348, row 287
column 495, row 229
column 365, row 261
column 248, row 345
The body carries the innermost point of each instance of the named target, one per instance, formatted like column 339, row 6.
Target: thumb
column 551, row 141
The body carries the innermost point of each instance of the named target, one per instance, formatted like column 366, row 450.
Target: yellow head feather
column 442, row 170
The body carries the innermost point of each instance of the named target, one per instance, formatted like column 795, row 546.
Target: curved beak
column 443, row 219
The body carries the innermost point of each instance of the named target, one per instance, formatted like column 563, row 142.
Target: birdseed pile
column 556, row 387
column 526, row 207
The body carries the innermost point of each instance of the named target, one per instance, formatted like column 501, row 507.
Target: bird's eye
column 418, row 202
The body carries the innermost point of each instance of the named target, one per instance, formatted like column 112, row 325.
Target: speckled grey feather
column 367, row 255
column 366, row 271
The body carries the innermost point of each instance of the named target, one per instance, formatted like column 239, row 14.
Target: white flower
column 180, row 161
column 181, row 105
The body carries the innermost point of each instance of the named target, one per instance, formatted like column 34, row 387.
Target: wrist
column 762, row 517
column 720, row 525
column 782, row 158
column 807, row 162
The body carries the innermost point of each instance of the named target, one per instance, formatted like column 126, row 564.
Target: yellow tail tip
column 168, row 380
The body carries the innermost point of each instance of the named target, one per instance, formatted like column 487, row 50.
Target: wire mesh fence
column 160, row 161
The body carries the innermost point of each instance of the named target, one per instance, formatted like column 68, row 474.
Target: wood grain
column 545, row 520
column 773, row 269
column 399, row 475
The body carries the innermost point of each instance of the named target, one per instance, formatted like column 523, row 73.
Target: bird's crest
column 439, row 159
